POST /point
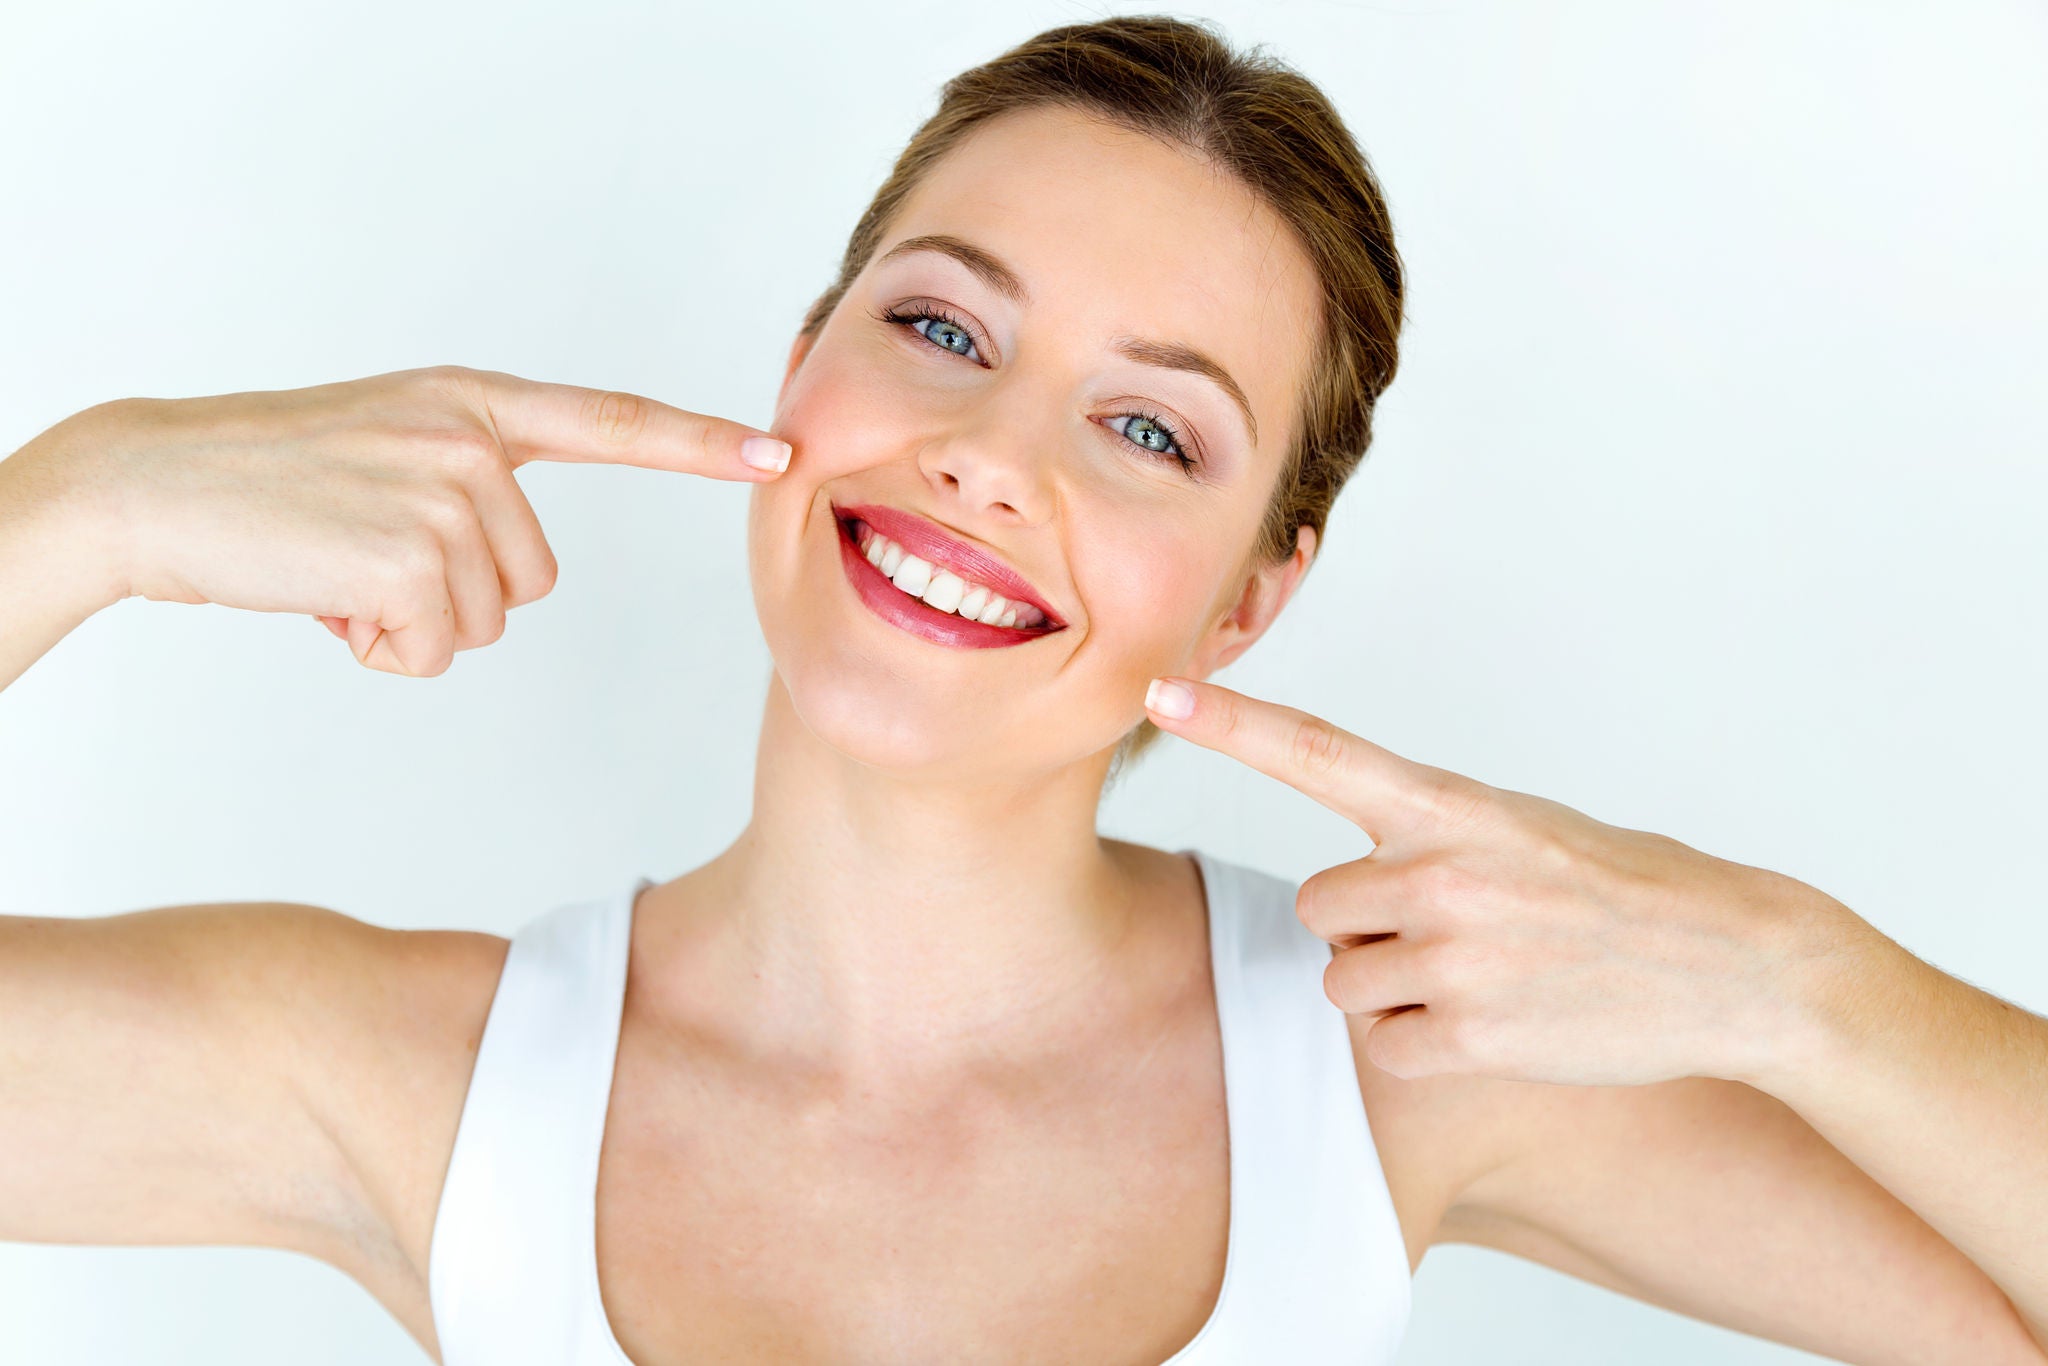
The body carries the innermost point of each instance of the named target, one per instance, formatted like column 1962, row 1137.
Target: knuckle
column 410, row 563
column 445, row 383
column 1337, row 983
column 466, row 450
column 1309, row 905
column 446, row 513
column 478, row 634
column 1326, row 904
column 467, row 381
column 616, row 417
column 438, row 644
column 1452, row 799
column 1317, row 748
column 1546, row 851
column 533, row 580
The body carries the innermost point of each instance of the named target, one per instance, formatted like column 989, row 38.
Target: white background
column 1709, row 498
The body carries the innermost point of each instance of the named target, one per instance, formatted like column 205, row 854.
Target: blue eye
column 946, row 332
column 953, row 338
column 1152, row 434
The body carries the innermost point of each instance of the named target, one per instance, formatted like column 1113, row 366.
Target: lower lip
column 898, row 608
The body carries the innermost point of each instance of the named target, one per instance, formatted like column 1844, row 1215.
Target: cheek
column 840, row 421
column 840, row 418
column 1146, row 609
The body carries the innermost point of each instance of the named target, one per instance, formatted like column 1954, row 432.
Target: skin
column 920, row 984
column 1635, row 1025
column 922, row 878
column 1595, row 997
column 920, row 1004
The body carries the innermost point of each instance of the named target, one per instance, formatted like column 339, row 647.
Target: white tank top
column 1315, row 1270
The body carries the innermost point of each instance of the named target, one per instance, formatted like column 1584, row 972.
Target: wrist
column 54, row 508
column 1840, row 979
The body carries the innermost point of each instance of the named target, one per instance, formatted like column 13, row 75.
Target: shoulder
column 356, row 992
column 309, row 987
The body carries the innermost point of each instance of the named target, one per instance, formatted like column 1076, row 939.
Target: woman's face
column 1042, row 403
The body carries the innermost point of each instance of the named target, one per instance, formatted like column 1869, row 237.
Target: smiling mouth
column 938, row 609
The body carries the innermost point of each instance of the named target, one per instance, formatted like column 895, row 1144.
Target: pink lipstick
column 919, row 618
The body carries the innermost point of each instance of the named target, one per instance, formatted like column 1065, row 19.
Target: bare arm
column 385, row 506
column 254, row 1074
column 1715, row 1086
column 268, row 1074
column 1939, row 1090
column 54, row 572
column 156, row 1075
column 1713, row 1199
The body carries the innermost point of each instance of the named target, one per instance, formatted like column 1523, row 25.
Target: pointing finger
column 537, row 421
column 1374, row 788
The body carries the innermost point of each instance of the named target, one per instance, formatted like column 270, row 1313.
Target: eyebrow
column 988, row 269
column 1175, row 356
column 993, row 272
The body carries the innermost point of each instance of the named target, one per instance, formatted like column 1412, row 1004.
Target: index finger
column 1375, row 789
column 539, row 421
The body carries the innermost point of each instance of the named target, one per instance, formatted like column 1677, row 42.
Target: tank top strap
column 514, row 1235
column 1316, row 1269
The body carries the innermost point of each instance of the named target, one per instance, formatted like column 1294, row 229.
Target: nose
column 996, row 455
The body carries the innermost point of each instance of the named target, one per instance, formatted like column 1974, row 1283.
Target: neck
column 886, row 927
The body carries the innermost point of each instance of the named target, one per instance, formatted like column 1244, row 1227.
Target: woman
column 921, row 1067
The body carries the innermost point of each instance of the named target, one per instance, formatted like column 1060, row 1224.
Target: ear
column 1265, row 591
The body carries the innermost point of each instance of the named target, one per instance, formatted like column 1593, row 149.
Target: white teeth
column 943, row 589
column 912, row 576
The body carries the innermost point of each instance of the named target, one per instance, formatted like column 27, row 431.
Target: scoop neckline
column 1225, row 996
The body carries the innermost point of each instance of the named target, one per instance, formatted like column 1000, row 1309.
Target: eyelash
column 904, row 316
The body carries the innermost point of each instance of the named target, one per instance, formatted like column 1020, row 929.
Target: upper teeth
column 941, row 588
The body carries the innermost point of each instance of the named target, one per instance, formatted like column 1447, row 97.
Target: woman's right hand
column 384, row 506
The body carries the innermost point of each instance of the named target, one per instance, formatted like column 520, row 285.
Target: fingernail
column 765, row 453
column 1169, row 698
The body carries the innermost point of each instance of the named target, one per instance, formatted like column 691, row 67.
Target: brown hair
column 1268, row 125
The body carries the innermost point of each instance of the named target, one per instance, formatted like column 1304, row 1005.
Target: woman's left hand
column 1501, row 934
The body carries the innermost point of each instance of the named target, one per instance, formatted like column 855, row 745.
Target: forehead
column 1114, row 231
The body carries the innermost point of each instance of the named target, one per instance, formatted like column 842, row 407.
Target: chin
column 886, row 728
